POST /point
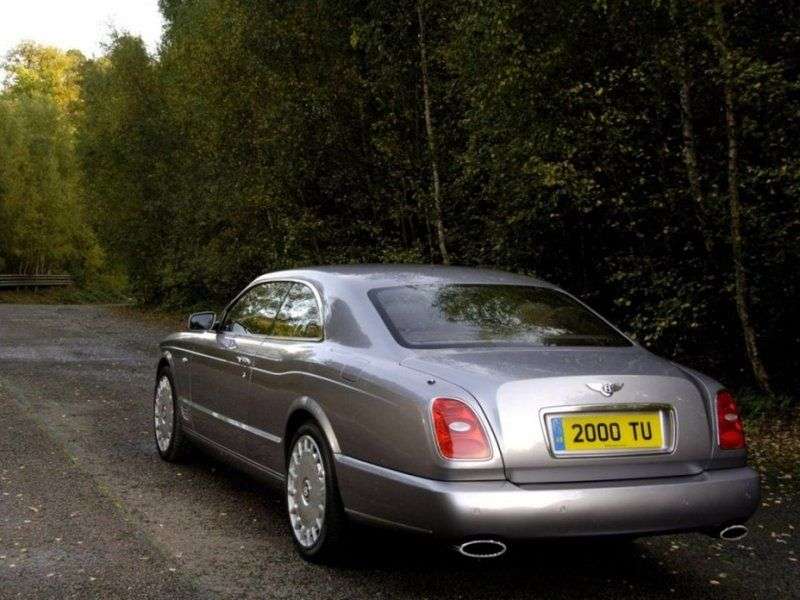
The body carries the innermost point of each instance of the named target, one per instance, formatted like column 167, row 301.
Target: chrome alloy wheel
column 163, row 408
column 305, row 490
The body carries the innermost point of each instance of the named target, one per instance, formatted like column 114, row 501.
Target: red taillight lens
column 731, row 432
column 459, row 433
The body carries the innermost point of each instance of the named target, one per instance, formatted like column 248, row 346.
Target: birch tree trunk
column 735, row 205
column 437, row 201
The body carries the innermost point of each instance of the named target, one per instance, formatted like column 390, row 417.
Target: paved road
column 88, row 510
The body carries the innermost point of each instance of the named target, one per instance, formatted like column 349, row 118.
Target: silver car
column 472, row 405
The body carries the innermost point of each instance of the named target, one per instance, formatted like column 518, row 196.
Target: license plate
column 592, row 433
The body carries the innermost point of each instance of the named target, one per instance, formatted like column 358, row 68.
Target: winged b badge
column 606, row 388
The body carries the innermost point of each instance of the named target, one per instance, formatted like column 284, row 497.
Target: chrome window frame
column 264, row 336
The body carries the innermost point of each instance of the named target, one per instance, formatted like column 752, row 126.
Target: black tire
column 331, row 546
column 178, row 449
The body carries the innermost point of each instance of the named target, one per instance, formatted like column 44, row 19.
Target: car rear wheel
column 171, row 442
column 316, row 514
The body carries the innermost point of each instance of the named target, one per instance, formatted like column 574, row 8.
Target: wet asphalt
column 88, row 510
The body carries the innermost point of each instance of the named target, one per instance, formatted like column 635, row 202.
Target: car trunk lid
column 519, row 389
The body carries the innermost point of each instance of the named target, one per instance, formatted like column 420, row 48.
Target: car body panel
column 239, row 395
column 518, row 388
column 220, row 387
column 500, row 509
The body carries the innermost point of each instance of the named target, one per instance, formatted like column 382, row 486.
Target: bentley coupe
column 475, row 406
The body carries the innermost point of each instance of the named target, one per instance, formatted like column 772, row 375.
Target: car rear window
column 455, row 315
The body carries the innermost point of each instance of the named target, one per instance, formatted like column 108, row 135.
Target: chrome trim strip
column 260, row 433
column 280, row 373
column 208, row 356
column 385, row 522
column 217, row 446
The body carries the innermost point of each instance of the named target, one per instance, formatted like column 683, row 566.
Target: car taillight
column 459, row 433
column 731, row 432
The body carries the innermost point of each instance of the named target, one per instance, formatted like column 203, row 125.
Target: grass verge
column 171, row 319
column 62, row 295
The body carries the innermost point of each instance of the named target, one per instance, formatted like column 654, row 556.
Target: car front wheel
column 316, row 514
column 171, row 442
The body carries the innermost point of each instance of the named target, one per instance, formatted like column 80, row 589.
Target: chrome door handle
column 243, row 360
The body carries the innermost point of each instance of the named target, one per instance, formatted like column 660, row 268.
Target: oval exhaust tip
column 733, row 533
column 482, row 549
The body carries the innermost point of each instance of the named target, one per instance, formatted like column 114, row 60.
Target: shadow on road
column 399, row 564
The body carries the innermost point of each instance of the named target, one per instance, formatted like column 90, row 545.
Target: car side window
column 254, row 312
column 299, row 316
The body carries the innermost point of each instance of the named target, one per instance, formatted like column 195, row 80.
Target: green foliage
column 575, row 149
column 757, row 405
column 268, row 134
column 43, row 217
column 36, row 71
column 124, row 148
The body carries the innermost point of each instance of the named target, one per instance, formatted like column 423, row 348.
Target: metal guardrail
column 21, row 281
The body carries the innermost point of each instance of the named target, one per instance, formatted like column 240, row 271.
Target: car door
column 280, row 374
column 221, row 373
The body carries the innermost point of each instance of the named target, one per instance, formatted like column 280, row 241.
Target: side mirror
column 202, row 321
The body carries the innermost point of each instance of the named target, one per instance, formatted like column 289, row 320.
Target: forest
column 642, row 154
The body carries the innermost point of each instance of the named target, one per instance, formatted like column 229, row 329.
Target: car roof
column 352, row 320
column 386, row 275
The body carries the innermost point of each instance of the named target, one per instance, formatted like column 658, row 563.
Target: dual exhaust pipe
column 482, row 549
column 495, row 548
column 733, row 533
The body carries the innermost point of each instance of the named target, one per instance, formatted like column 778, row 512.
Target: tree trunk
column 425, row 213
column 737, row 242
column 437, row 202
column 690, row 151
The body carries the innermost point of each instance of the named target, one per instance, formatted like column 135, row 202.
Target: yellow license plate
column 611, row 431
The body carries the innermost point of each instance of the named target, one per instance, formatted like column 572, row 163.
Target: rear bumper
column 458, row 510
